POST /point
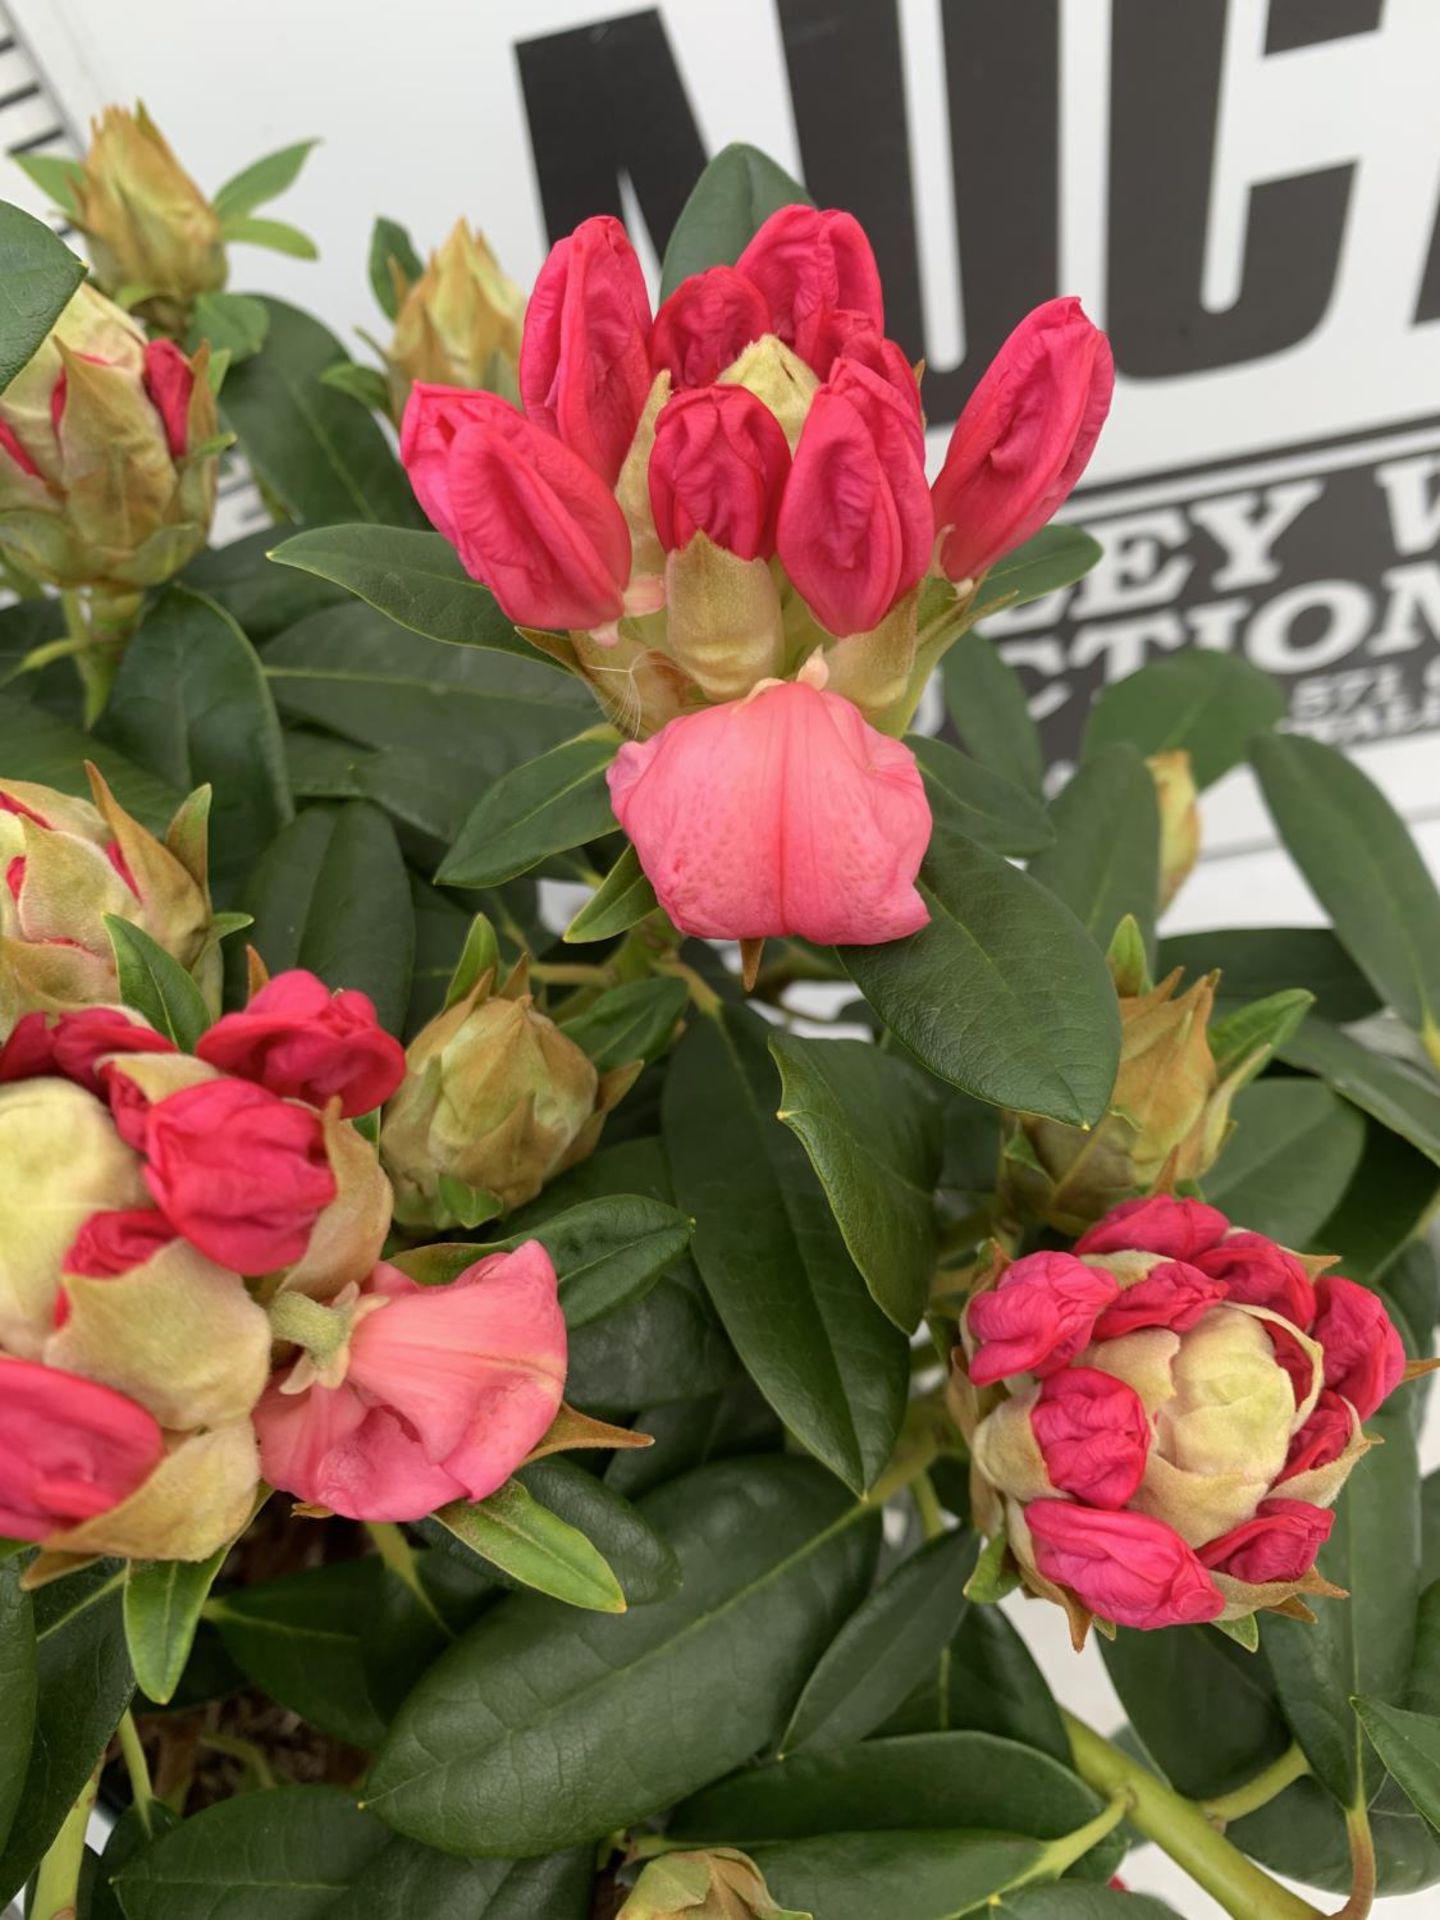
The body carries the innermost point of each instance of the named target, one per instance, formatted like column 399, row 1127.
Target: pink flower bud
column 855, row 527
column 30, row 1049
column 1038, row 1318
column 1172, row 1294
column 1024, row 439
column 705, row 326
column 804, row 259
column 169, row 379
column 834, row 333
column 69, row 1449
column 1261, row 1274
column 241, row 1173
column 1124, row 1566
column 446, row 1390
column 718, row 467
column 526, row 515
column 1364, row 1355
column 1279, row 1544
column 782, row 813
column 1094, row 1434
column 113, row 1242
column 1323, row 1438
column 1180, row 1229
column 585, row 355
column 304, row 1042
column 80, row 1040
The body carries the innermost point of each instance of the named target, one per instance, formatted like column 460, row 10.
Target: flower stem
column 57, row 1885
column 1259, row 1792
column 1060, row 1855
column 133, row 1754
column 1182, row 1829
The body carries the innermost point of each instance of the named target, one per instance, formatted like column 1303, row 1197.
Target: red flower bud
column 1024, row 439
column 1292, row 1358
column 30, row 1050
column 69, row 1449
column 706, row 324
column 169, row 380
column 1364, row 1355
column 585, row 355
column 835, row 333
column 1279, row 1544
column 1180, row 1229
column 80, row 1040
column 1038, row 1318
column 1124, row 1566
column 1323, row 1438
column 113, row 1242
column 1261, row 1274
column 1094, row 1434
column 718, row 467
column 855, row 528
column 526, row 515
column 306, row 1043
column 804, row 259
column 1173, row 1294
column 241, row 1173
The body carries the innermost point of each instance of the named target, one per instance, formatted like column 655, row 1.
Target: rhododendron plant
column 575, row 1286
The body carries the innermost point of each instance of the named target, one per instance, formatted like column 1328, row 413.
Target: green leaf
column 1295, row 1146
column 129, row 1836
column 1055, row 557
column 1409, row 1745
column 83, row 1685
column 644, row 1564
column 691, row 1433
column 264, row 179
column 1383, row 1208
column 1399, row 1096
column 820, row 1350
column 986, row 1681
column 968, row 797
column 513, row 1531
column 1070, row 1902
column 390, row 241
column 623, row 897
column 1256, row 962
column 731, row 200
column 55, row 175
column 34, row 745
column 1361, row 1645
column 540, row 1729
column 1203, row 1707
column 264, row 599
column 547, row 806
column 1302, row 1834
column 278, row 236
column 1003, row 994
column 1360, row 861
column 163, row 1601
column 190, row 702
column 156, row 985
column 38, row 274
column 365, row 384
column 906, row 1876
column 18, row 1683
column 1248, row 1035
column 1210, row 704
column 872, row 1131
column 1105, row 862
column 311, row 448
column 884, row 1648
column 633, row 1022
column 415, row 579
column 233, row 323
column 300, row 1639
column 331, row 894
column 991, row 714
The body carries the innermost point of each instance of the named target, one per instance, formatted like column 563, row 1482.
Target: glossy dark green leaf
column 1400, row 1096
column 884, row 1648
column 391, row 241
column 17, row 1688
column 365, row 384
column 1384, row 1206
column 1362, row 1645
column 1209, row 704
column 36, row 745
column 1256, row 962
column 690, row 1433
column 331, row 894
column 792, row 1300
column 1247, row 1036
column 986, row 1681
column 263, row 598
column 1409, row 1745
column 1105, row 861
column 543, row 1727
column 299, row 1639
column 906, row 1876
column 1004, row 994
column 129, row 1837
column 156, row 985
column 1055, row 557
column 1302, row 1834
column 643, row 1563
column 633, row 1022
column 1295, row 1146
column 871, row 1128
column 624, row 897
column 163, row 1601
column 414, row 578
column 1362, row 864
column 531, row 1546
column 233, row 323
column 83, row 1685
column 1069, row 1902
column 320, row 456
column 264, row 179
column 547, row 806
column 970, row 798
column 991, row 714
column 190, row 703
column 38, row 274
column 735, row 195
